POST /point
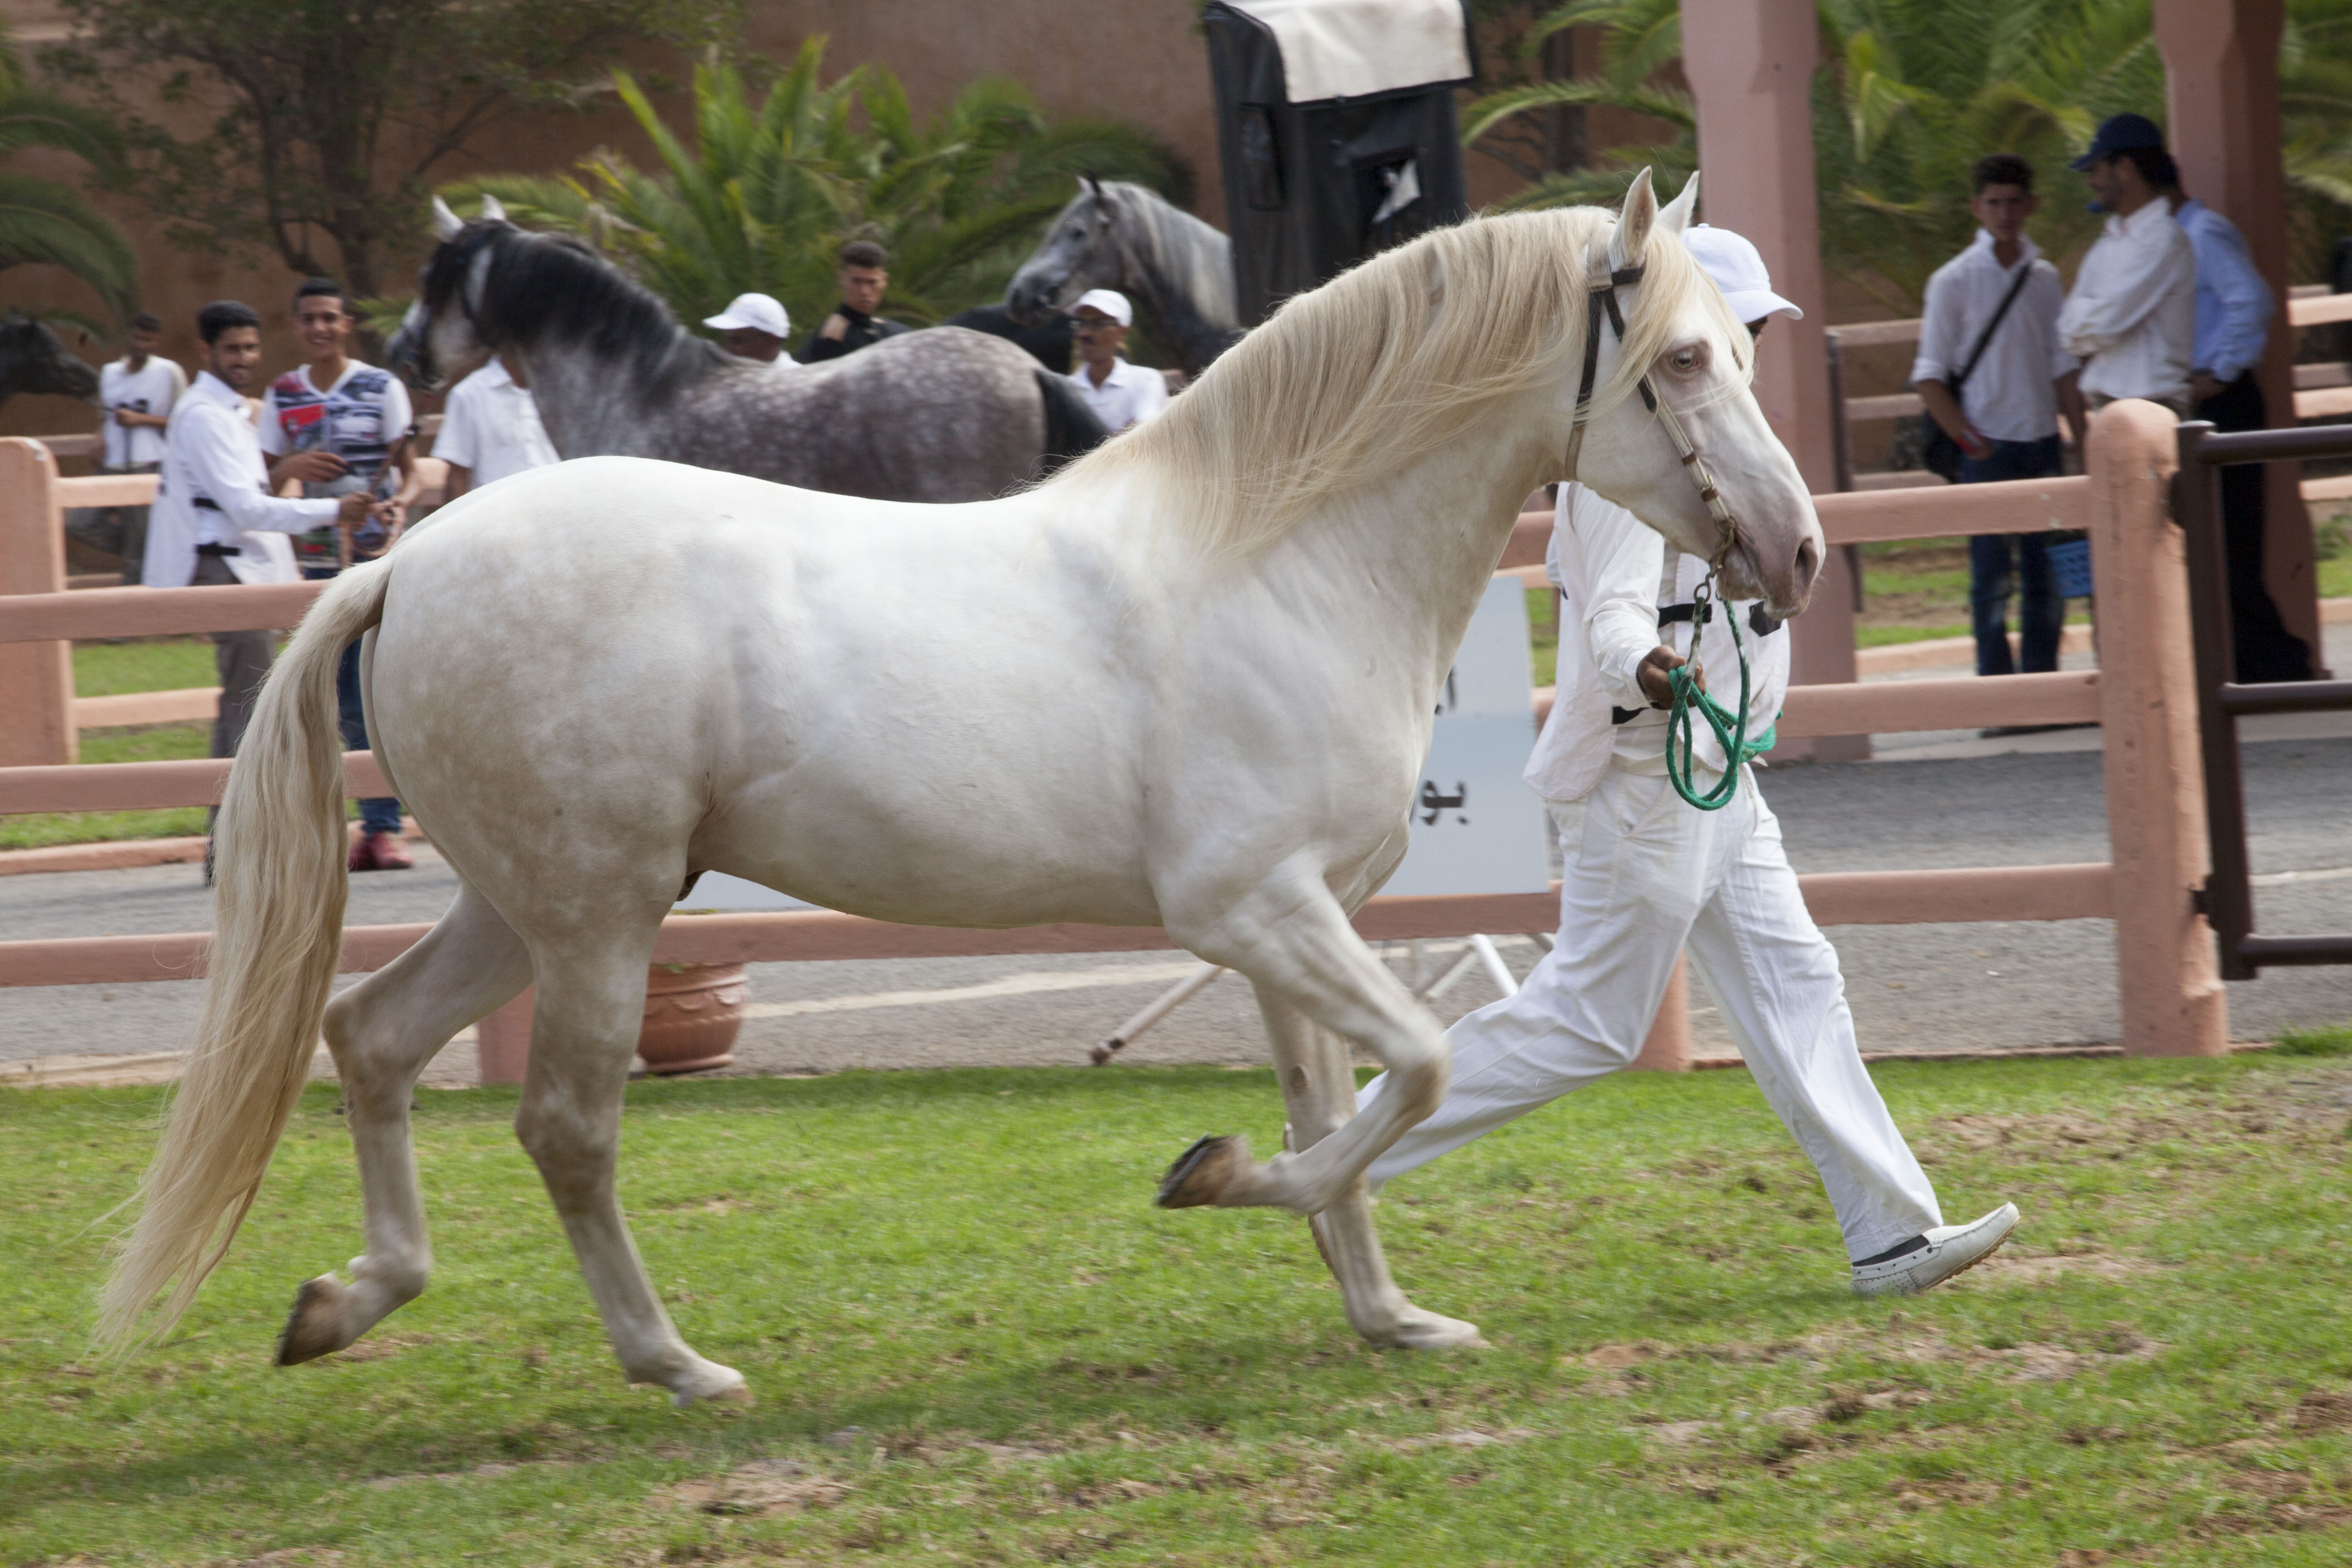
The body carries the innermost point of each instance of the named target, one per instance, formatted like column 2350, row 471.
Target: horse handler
column 1645, row 875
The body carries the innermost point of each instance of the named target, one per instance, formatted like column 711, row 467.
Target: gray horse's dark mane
column 552, row 287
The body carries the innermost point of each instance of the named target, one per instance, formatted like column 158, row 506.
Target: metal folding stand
column 1479, row 951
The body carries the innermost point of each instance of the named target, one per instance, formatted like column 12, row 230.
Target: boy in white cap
column 752, row 326
column 1644, row 875
column 1120, row 394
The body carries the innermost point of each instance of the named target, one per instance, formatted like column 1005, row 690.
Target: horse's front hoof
column 703, row 1381
column 1206, row 1173
column 315, row 1327
column 1417, row 1330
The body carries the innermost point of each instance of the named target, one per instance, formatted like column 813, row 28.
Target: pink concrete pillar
column 2173, row 1001
column 37, row 722
column 503, row 1042
column 1750, row 65
column 1668, row 1047
column 2220, row 64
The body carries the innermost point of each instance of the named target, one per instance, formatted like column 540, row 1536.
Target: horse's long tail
column 1071, row 428
column 276, row 940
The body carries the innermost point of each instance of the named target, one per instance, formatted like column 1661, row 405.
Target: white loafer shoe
column 1947, row 1250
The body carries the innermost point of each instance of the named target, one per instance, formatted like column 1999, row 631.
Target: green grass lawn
column 110, row 669
column 974, row 1340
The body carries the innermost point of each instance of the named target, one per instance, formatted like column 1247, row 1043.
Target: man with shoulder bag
column 1995, row 377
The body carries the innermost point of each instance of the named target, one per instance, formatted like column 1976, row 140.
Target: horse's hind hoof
column 314, row 1328
column 1205, row 1174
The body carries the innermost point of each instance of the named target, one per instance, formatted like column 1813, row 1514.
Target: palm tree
column 45, row 222
column 770, row 191
column 1913, row 91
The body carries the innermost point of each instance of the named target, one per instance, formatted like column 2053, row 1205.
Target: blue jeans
column 2041, row 613
column 375, row 816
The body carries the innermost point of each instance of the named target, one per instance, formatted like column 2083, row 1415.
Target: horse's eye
column 1686, row 361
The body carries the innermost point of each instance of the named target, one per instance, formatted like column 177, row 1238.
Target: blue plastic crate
column 2070, row 564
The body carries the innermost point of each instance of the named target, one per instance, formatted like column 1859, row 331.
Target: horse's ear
column 1632, row 238
column 446, row 224
column 492, row 211
column 1675, row 215
column 1092, row 183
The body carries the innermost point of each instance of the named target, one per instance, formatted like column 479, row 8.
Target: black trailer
column 1337, row 132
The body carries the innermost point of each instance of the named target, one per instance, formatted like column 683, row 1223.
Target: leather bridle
column 1601, row 292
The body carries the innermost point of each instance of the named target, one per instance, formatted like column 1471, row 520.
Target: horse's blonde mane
column 1386, row 363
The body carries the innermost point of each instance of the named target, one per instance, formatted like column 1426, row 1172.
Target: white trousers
column 1645, row 875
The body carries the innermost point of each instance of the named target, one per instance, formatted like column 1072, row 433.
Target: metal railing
column 2227, row 899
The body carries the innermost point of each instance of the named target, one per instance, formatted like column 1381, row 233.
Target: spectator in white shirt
column 2133, row 314
column 1120, row 394
column 214, row 520
column 138, row 392
column 753, row 327
column 490, row 428
column 2019, row 379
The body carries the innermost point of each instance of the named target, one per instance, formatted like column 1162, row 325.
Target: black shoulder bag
column 1938, row 453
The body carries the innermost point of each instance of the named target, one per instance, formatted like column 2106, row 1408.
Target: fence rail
column 2135, row 562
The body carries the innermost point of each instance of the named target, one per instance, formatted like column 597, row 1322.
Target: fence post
column 1668, row 1047
column 2173, row 1001
column 36, row 722
column 502, row 1041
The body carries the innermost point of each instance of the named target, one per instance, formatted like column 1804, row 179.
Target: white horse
column 1187, row 682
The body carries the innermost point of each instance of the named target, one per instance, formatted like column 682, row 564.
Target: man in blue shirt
column 2234, row 310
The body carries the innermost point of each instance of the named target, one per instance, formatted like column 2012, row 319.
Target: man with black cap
column 2132, row 317
column 2234, row 310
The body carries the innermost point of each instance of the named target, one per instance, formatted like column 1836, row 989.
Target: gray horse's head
column 441, row 339
column 1083, row 250
column 33, row 361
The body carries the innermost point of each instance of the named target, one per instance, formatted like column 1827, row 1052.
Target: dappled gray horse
column 33, row 361
column 941, row 416
column 1119, row 235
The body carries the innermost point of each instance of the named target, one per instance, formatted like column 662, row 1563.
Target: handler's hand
column 311, row 467
column 1653, row 675
column 836, row 328
column 352, row 510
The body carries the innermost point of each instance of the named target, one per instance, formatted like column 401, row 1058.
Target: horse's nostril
column 1808, row 566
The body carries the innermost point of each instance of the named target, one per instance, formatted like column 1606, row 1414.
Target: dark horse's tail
column 1071, row 428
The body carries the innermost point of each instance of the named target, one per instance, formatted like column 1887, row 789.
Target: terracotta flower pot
column 693, row 1013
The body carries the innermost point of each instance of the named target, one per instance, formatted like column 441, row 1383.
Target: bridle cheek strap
column 1602, row 296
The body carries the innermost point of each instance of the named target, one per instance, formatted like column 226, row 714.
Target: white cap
column 1110, row 301
column 758, row 311
column 1738, row 270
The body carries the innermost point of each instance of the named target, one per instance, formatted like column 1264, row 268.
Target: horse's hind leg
column 584, row 1025
column 382, row 1031
column 1318, row 1091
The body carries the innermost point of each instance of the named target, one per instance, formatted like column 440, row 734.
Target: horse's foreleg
column 382, row 1031
column 584, row 1025
column 1295, row 943
column 1318, row 1091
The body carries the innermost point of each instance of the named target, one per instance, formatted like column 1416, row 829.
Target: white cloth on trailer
column 1353, row 48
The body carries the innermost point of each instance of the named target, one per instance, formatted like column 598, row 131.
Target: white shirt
column 491, row 428
column 2132, row 313
column 2009, row 395
column 1610, row 567
column 153, row 388
column 212, row 454
column 1129, row 395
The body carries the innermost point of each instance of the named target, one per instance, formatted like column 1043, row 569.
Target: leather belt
column 219, row 549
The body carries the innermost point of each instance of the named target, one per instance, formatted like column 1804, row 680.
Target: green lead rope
column 1730, row 729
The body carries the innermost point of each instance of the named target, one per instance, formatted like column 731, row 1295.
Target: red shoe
column 379, row 852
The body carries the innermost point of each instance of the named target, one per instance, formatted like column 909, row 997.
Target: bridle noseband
column 1600, row 293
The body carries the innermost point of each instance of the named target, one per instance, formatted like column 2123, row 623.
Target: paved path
column 1922, row 988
